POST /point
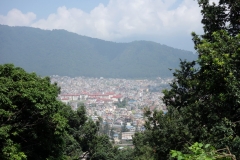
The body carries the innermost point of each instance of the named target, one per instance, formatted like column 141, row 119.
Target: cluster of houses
column 101, row 97
column 97, row 98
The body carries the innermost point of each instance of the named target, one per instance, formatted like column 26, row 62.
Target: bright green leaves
column 199, row 151
column 12, row 151
column 4, row 131
column 60, row 122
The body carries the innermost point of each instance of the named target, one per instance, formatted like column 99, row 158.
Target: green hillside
column 60, row 52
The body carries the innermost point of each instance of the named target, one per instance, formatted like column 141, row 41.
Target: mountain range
column 59, row 52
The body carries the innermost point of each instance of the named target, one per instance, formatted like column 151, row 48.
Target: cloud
column 16, row 18
column 121, row 20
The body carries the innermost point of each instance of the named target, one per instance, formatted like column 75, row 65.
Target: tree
column 31, row 126
column 200, row 151
column 121, row 104
column 111, row 134
column 203, row 100
column 76, row 121
column 216, row 108
column 208, row 98
column 101, row 148
column 224, row 16
column 163, row 133
column 106, row 128
column 123, row 154
column 35, row 125
column 210, row 101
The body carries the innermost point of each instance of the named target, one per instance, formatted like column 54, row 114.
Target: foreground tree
column 204, row 99
column 73, row 147
column 163, row 133
column 35, row 125
column 209, row 99
column 31, row 126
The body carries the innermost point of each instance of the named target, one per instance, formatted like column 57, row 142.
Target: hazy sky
column 167, row 22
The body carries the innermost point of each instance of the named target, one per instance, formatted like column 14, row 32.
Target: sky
column 168, row 22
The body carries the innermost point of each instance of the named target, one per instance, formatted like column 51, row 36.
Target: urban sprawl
column 119, row 102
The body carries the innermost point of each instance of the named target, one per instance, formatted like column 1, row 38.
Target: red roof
column 70, row 95
column 104, row 99
column 84, row 93
column 117, row 96
column 109, row 93
column 96, row 94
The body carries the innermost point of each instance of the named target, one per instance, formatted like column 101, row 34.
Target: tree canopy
column 31, row 126
column 203, row 101
column 35, row 125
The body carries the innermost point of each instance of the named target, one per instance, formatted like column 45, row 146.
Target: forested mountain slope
column 68, row 54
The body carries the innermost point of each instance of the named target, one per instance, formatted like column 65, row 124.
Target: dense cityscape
column 119, row 102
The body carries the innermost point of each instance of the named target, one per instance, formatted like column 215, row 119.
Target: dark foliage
column 204, row 99
column 31, row 125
